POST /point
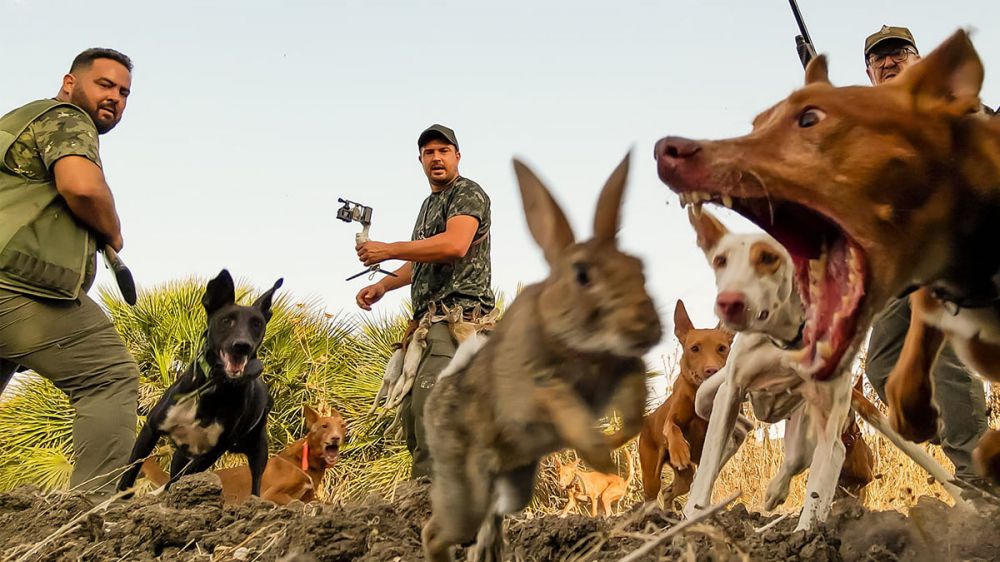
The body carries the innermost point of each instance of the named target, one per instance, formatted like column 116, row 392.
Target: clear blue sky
column 248, row 119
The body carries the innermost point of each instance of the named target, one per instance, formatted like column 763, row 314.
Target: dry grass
column 899, row 481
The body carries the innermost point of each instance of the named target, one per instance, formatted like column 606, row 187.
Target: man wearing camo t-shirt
column 447, row 263
column 55, row 210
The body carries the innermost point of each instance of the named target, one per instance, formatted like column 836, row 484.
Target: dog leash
column 199, row 364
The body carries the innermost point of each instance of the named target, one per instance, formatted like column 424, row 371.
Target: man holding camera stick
column 447, row 263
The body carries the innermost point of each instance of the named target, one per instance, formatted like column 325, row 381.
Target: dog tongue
column 234, row 366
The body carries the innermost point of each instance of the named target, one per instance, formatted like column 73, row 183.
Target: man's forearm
column 81, row 183
column 97, row 210
column 439, row 248
column 404, row 276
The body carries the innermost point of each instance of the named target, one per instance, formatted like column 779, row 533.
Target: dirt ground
column 189, row 523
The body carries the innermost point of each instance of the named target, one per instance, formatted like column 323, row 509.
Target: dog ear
column 953, row 71
column 310, row 415
column 264, row 301
column 707, row 227
column 817, row 71
column 546, row 221
column 219, row 292
column 609, row 203
column 682, row 322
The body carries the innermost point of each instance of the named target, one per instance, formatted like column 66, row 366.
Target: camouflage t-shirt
column 60, row 131
column 464, row 282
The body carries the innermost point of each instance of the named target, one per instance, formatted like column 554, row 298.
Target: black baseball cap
column 437, row 132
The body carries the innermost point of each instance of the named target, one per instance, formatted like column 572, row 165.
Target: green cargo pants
column 74, row 345
column 440, row 349
column 960, row 396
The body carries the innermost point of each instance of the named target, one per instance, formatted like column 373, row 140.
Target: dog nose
column 709, row 371
column 242, row 347
column 732, row 307
column 675, row 148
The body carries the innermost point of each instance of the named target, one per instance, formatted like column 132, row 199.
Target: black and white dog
column 219, row 404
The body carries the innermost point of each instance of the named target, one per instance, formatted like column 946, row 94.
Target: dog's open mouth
column 830, row 272
column 331, row 453
column 233, row 363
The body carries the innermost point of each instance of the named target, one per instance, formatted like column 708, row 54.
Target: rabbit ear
column 546, row 221
column 610, row 202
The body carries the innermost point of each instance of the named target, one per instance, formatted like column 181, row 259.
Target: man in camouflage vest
column 447, row 263
column 55, row 210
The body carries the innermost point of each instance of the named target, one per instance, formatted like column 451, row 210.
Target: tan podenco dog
column 757, row 297
column 874, row 190
column 674, row 434
column 597, row 487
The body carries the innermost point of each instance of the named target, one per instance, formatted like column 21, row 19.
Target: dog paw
column 986, row 457
column 915, row 422
column 680, row 456
column 912, row 414
column 775, row 496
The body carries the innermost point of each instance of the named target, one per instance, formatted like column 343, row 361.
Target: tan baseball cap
column 888, row 32
column 439, row 132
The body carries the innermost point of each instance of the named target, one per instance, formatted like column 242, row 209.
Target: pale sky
column 249, row 119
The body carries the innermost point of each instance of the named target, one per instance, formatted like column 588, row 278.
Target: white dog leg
column 799, row 447
column 828, row 458
column 720, row 427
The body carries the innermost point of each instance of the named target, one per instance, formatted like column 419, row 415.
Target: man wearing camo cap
column 958, row 394
column 447, row 263
column 55, row 210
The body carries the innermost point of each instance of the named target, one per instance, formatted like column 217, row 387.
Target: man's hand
column 372, row 253
column 116, row 243
column 370, row 295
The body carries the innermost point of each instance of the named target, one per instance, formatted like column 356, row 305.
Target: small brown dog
column 673, row 432
column 591, row 485
column 296, row 473
column 566, row 351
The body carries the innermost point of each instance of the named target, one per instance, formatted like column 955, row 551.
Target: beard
column 79, row 99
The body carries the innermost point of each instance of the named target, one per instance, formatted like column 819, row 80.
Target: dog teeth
column 825, row 349
column 727, row 201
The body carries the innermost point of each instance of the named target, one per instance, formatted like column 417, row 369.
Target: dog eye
column 719, row 262
column 582, row 276
column 695, row 348
column 810, row 117
column 722, row 349
column 768, row 258
column 227, row 321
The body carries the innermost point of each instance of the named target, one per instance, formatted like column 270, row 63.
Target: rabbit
column 568, row 349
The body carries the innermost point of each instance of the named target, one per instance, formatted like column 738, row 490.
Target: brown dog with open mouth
column 873, row 191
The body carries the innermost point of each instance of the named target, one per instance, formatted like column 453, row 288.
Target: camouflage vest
column 44, row 249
